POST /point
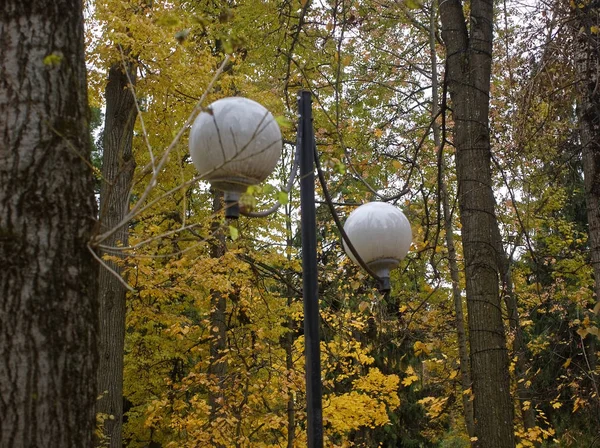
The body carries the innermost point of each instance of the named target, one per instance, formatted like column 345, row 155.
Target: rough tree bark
column 586, row 22
column 463, row 348
column 469, row 57
column 48, row 307
column 519, row 346
column 289, row 337
column 117, row 174
column 588, row 66
column 217, row 368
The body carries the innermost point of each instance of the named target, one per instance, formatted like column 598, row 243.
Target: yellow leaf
column 567, row 363
column 54, row 59
column 409, row 380
column 594, row 29
column 362, row 306
column 474, row 439
column 396, row 164
column 583, row 332
column 556, row 405
column 421, row 348
column 453, row 374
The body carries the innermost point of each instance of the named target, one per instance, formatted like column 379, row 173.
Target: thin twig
column 137, row 108
column 109, row 269
column 138, row 206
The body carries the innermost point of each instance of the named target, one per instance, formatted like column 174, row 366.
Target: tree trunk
column 117, row 173
column 289, row 337
column 463, row 349
column 49, row 312
column 519, row 347
column 469, row 57
column 218, row 367
column 588, row 111
column 588, row 64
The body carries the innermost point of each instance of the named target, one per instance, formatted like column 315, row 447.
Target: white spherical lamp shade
column 381, row 235
column 235, row 143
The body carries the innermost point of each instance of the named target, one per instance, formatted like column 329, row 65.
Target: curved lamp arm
column 384, row 285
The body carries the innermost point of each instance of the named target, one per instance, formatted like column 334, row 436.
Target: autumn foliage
column 390, row 364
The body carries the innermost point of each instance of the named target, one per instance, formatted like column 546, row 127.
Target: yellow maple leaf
column 420, row 348
column 409, row 380
column 411, row 377
column 583, row 332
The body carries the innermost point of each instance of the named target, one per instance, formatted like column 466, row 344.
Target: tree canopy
column 478, row 121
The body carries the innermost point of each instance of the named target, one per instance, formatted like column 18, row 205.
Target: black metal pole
column 314, row 408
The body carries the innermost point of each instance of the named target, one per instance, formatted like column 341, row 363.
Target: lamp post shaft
column 310, row 288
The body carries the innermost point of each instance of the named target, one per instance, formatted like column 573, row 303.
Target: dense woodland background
column 480, row 121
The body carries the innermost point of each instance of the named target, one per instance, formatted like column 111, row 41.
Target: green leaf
column 227, row 46
column 54, row 59
column 282, row 197
column 253, row 189
column 234, row 233
column 283, row 122
column 340, row 168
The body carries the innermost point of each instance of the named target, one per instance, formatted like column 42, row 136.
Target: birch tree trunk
column 117, row 174
column 48, row 307
column 469, row 57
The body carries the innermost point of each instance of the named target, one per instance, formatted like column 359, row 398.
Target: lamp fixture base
column 232, row 205
column 384, row 285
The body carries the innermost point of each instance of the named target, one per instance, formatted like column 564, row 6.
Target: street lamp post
column 236, row 143
column 310, row 289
